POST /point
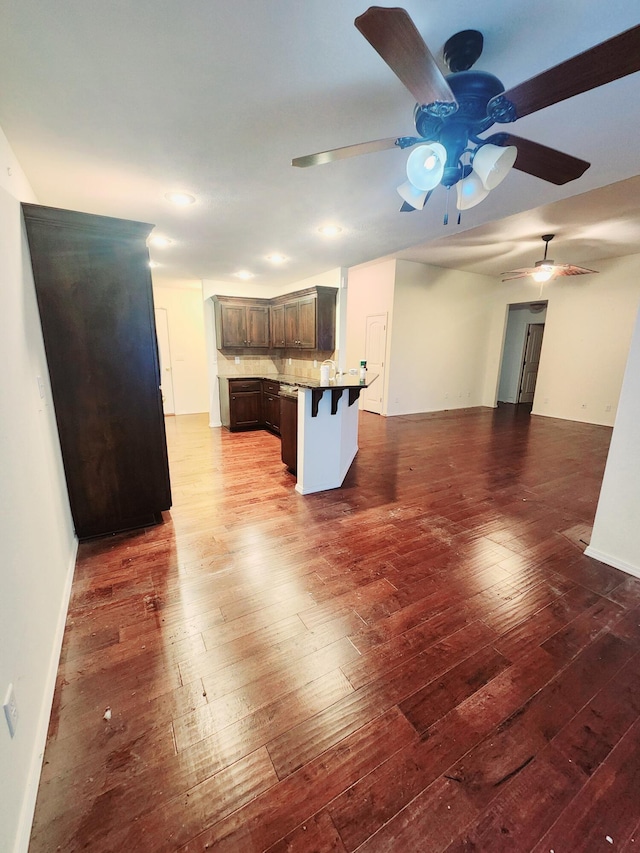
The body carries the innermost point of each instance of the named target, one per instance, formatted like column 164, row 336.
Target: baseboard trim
column 601, row 557
column 40, row 740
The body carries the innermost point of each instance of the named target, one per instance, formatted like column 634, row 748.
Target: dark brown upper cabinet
column 241, row 323
column 95, row 300
column 305, row 319
column 276, row 314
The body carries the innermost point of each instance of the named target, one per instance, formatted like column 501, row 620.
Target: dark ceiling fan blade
column 608, row 61
column 393, row 34
column 343, row 153
column 542, row 162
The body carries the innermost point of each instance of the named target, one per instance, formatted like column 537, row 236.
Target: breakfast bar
column 318, row 421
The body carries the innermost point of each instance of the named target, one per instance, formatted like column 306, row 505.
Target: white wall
column 518, row 319
column 370, row 290
column 36, row 531
column 439, row 339
column 588, row 329
column 185, row 316
column 615, row 539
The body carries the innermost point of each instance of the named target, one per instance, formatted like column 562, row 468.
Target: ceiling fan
column 451, row 112
column 546, row 269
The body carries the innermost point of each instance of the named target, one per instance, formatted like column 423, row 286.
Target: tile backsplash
column 262, row 365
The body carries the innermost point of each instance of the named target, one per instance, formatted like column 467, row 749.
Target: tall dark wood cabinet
column 94, row 294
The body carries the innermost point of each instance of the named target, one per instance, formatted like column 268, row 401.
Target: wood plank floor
column 423, row 660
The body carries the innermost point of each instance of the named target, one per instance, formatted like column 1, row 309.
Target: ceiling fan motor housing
column 472, row 90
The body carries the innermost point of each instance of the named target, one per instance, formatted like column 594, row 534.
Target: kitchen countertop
column 346, row 380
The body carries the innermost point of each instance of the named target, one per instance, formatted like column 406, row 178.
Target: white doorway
column 520, row 317
column 164, row 353
column 375, row 348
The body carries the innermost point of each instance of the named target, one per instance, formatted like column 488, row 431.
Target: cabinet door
column 307, row 322
column 245, row 410
column 233, row 322
column 276, row 313
column 291, row 323
column 257, row 326
column 289, row 432
column 271, row 404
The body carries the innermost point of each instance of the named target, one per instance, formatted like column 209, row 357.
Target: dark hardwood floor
column 423, row 660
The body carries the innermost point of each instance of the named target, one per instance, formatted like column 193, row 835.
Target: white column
column 616, row 530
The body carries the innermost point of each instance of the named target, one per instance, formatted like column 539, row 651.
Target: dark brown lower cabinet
column 95, row 300
column 245, row 404
column 271, row 405
column 250, row 404
column 289, row 432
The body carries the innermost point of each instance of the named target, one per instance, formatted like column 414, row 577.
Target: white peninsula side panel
column 327, row 444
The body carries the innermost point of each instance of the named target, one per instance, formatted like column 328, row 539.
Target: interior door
column 164, row 351
column 374, row 349
column 530, row 363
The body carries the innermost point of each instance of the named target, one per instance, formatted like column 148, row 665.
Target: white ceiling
column 109, row 105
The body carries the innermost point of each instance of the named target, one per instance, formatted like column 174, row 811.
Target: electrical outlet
column 315, row 362
column 607, row 408
column 11, row 710
column 237, row 359
column 289, row 362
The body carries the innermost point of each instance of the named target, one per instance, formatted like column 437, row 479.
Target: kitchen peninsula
column 326, row 435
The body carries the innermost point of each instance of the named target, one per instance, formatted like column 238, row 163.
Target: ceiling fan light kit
column 470, row 191
column 425, row 166
column 492, row 163
column 452, row 111
column 412, row 196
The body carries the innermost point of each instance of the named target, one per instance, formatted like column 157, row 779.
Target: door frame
column 164, row 360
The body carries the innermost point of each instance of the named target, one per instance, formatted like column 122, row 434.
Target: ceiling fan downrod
column 547, row 239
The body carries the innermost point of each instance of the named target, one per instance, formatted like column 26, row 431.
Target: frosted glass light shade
column 413, row 196
column 543, row 273
column 471, row 191
column 493, row 163
column 425, row 166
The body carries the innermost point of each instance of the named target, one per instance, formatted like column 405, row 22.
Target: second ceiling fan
column 451, row 112
column 546, row 268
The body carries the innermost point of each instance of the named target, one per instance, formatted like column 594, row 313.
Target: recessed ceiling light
column 243, row 274
column 160, row 241
column 276, row 258
column 330, row 230
column 181, row 199
column 153, row 264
